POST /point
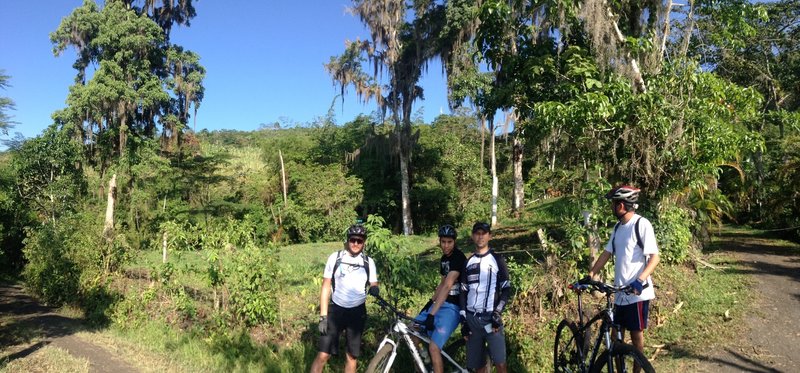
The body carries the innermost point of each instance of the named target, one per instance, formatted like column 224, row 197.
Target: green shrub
column 51, row 272
column 673, row 233
column 252, row 284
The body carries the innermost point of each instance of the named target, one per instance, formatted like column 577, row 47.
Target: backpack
column 339, row 262
column 639, row 241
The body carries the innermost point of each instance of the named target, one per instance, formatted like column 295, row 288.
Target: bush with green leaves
column 673, row 233
column 51, row 273
column 253, row 283
column 399, row 273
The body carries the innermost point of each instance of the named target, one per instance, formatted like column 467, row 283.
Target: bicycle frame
column 400, row 331
column 606, row 317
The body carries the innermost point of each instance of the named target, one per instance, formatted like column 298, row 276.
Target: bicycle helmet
column 624, row 193
column 357, row 230
column 447, row 230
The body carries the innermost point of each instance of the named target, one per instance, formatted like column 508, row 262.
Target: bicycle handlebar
column 584, row 284
column 388, row 307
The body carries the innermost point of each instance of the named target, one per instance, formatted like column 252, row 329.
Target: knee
column 323, row 357
column 433, row 348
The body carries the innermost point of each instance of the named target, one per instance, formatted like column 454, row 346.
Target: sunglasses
column 356, row 241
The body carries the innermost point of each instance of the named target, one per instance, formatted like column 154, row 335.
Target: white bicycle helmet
column 624, row 193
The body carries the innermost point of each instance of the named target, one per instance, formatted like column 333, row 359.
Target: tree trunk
column 634, row 65
column 495, row 185
column 164, row 248
column 283, row 178
column 594, row 243
column 482, row 127
column 108, row 227
column 519, row 185
column 404, row 193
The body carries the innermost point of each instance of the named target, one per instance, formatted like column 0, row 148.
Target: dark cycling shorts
column 633, row 316
column 348, row 320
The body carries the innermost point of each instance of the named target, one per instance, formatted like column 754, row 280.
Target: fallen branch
column 707, row 264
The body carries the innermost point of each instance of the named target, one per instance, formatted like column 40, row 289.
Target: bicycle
column 572, row 343
column 402, row 329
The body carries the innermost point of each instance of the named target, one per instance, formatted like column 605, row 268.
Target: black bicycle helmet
column 447, row 230
column 357, row 230
column 624, row 193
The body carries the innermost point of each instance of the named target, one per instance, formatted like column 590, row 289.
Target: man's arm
column 324, row 297
column 598, row 265
column 652, row 262
column 443, row 290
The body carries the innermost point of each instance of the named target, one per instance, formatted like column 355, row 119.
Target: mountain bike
column 573, row 350
column 403, row 328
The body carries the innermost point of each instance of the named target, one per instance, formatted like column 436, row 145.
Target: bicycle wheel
column 625, row 356
column 380, row 362
column 567, row 356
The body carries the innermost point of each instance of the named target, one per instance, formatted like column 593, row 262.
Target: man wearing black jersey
column 485, row 292
column 440, row 316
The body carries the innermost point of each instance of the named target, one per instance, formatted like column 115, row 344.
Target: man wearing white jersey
column 633, row 246
column 485, row 291
column 347, row 275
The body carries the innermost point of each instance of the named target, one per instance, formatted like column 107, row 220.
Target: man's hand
column 465, row 332
column 429, row 323
column 374, row 291
column 497, row 320
column 323, row 325
column 637, row 286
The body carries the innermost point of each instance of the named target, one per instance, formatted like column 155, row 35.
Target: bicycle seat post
column 580, row 309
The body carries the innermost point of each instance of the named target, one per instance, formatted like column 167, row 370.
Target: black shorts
column 351, row 321
column 632, row 316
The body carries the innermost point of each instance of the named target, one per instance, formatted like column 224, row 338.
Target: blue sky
column 264, row 62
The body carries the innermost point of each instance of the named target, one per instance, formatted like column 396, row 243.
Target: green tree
column 402, row 47
column 49, row 173
column 6, row 104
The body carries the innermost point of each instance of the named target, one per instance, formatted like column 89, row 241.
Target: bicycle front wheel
column 626, row 359
column 382, row 360
column 567, row 354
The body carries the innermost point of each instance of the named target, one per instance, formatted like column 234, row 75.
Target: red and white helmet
column 624, row 193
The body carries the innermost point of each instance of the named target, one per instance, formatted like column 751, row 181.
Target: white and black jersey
column 485, row 283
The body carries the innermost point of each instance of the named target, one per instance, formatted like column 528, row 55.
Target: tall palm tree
column 402, row 49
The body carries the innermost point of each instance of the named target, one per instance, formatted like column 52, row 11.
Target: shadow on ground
column 24, row 320
column 740, row 362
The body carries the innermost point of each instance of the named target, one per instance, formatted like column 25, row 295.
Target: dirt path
column 26, row 326
column 771, row 341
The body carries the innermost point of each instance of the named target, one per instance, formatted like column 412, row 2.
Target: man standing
column 341, row 302
column 633, row 245
column 440, row 315
column 485, row 291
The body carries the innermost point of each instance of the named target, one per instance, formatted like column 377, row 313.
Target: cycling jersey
column 486, row 283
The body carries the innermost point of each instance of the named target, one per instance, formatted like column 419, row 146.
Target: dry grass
column 48, row 359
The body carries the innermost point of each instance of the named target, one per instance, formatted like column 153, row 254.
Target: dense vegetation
column 702, row 115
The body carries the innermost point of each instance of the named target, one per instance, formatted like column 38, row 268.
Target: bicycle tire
column 629, row 355
column 567, row 354
column 379, row 362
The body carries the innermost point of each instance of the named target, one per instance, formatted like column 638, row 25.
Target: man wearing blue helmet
column 440, row 315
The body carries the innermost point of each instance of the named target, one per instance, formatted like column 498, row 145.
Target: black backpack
column 639, row 241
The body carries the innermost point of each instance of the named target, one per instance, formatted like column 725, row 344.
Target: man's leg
column 637, row 339
column 319, row 362
column 350, row 363
column 436, row 358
